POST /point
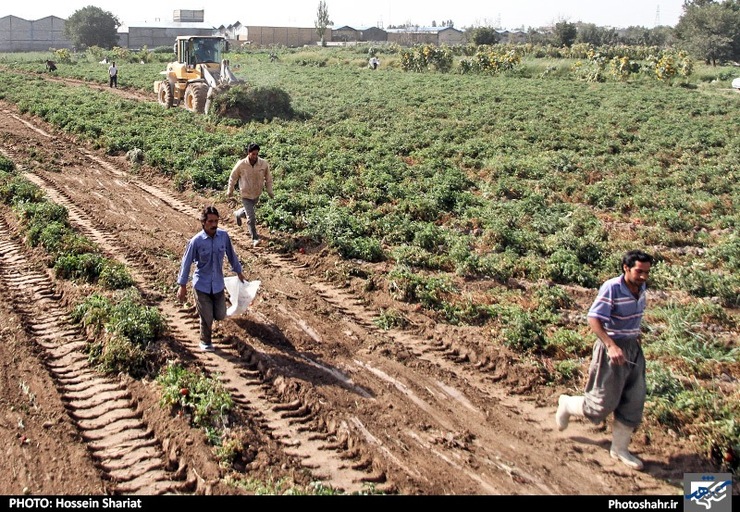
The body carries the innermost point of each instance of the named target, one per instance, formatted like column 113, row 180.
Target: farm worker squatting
column 252, row 174
column 616, row 376
column 207, row 250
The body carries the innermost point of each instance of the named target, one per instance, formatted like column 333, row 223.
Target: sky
column 505, row 14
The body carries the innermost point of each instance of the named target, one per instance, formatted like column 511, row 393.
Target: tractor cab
column 192, row 50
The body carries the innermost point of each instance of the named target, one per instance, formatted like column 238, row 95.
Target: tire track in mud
column 123, row 448
column 290, row 424
column 323, row 446
column 464, row 448
column 336, row 447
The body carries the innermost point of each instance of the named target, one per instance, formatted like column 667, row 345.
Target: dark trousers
column 210, row 306
column 114, row 81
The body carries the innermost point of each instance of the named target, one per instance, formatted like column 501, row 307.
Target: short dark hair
column 636, row 255
column 208, row 210
column 253, row 146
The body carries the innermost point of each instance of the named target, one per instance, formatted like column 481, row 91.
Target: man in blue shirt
column 616, row 380
column 207, row 250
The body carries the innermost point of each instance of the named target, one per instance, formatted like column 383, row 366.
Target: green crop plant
column 202, row 399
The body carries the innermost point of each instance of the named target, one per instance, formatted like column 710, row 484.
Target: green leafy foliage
column 408, row 286
column 92, row 26
column 247, row 103
column 115, row 276
column 79, row 267
column 121, row 329
column 6, row 166
column 117, row 354
column 478, row 180
column 201, row 399
column 17, row 190
column 390, row 319
column 93, row 313
column 138, row 323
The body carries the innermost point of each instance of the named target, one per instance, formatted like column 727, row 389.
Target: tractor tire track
column 99, row 406
column 325, row 448
column 329, row 413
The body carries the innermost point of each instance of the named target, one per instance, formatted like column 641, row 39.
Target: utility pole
column 657, row 17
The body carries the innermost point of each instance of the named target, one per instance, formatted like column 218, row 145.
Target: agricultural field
column 434, row 243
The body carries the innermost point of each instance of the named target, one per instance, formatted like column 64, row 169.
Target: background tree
column 597, row 36
column 641, row 36
column 710, row 30
column 92, row 26
column 483, row 35
column 564, row 34
column 534, row 36
column 322, row 21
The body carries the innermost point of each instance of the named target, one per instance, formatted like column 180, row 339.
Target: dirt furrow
column 301, row 434
column 427, row 409
column 22, row 281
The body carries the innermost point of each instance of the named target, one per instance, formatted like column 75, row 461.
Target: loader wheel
column 164, row 95
column 195, row 98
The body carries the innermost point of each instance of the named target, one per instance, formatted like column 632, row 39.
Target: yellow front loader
column 199, row 73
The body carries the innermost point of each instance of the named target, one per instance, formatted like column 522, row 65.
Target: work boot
column 568, row 406
column 621, row 436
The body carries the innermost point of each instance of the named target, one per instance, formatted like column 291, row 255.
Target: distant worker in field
column 207, row 250
column 373, row 63
column 252, row 176
column 616, row 376
column 113, row 75
column 51, row 65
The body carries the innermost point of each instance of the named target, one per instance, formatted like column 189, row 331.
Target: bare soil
column 322, row 393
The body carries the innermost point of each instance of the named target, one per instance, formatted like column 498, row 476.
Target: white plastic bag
column 241, row 294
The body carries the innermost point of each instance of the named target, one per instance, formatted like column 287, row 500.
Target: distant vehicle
column 736, row 83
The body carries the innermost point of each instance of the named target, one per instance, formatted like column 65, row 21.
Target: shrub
column 390, row 319
column 661, row 382
column 523, row 333
column 568, row 370
column 565, row 343
column 408, row 286
column 83, row 267
column 92, row 313
column 115, row 276
column 6, row 165
column 18, row 191
column 204, row 400
column 565, row 268
column 136, row 322
column 116, row 354
column 552, row 298
column 33, row 211
column 247, row 103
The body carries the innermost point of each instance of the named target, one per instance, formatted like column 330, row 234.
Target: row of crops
column 457, row 180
